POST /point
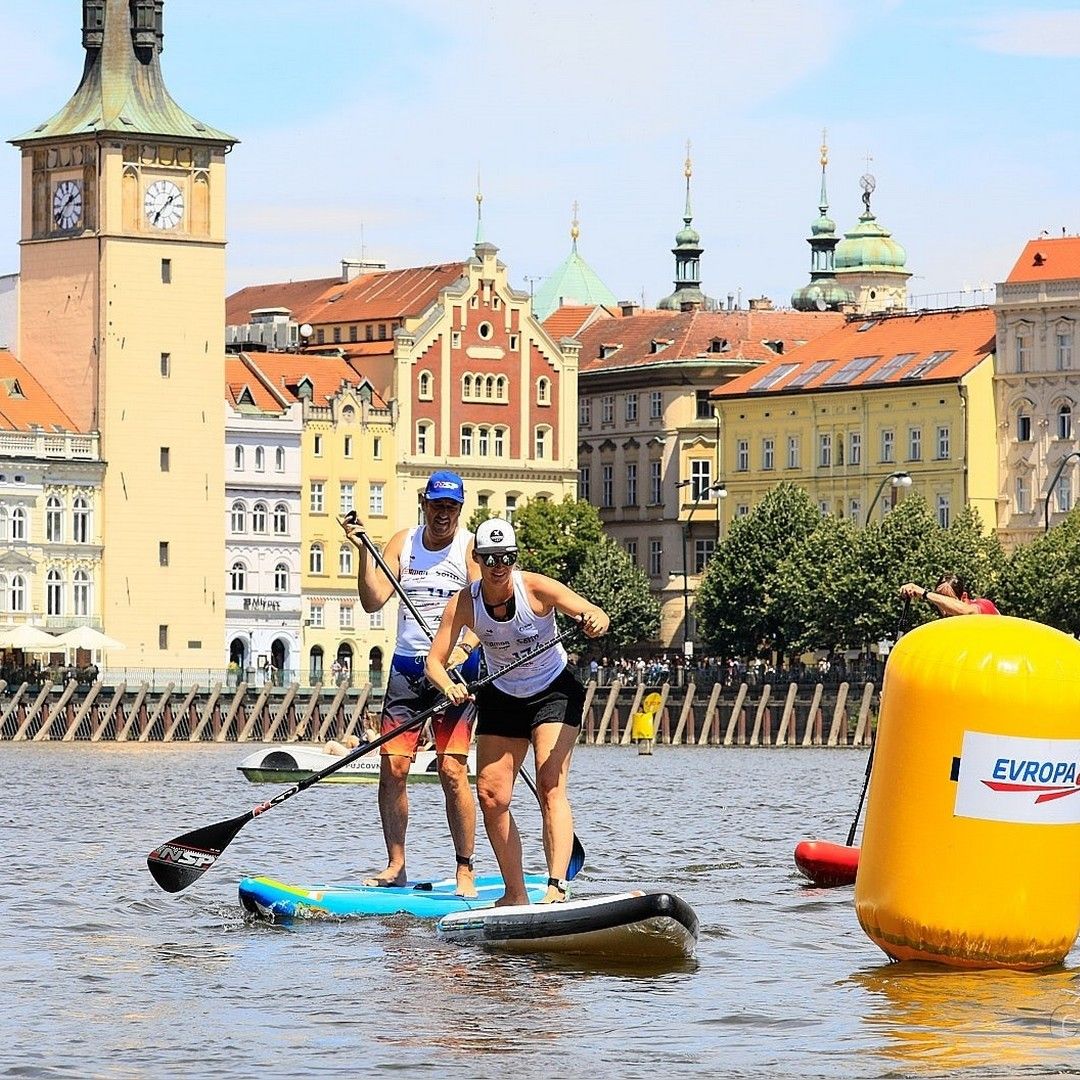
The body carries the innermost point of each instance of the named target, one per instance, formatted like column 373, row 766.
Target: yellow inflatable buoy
column 643, row 725
column 971, row 850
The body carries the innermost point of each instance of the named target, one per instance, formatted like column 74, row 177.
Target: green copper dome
column 869, row 246
column 824, row 226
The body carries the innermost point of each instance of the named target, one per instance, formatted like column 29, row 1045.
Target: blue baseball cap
column 444, row 484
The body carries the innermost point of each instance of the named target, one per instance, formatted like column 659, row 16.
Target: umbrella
column 86, row 637
column 28, row 638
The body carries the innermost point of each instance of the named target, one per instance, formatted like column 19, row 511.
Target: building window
column 281, row 519
column 483, row 441
column 237, row 577
column 1021, row 353
column 81, row 592
column 258, row 518
column 423, row 437
column 631, row 408
column 1064, row 422
column 260, row 459
column 54, row 594
column 237, row 518
column 631, row 483
column 700, row 478
column 337, row 334
column 656, row 476
column 583, row 483
column 631, row 551
column 943, row 449
column 513, row 343
column 703, row 552
column 345, row 616
column 914, row 444
column 320, row 336
column 316, row 446
column 166, row 271
column 793, row 452
column 768, row 453
column 1023, row 494
column 376, row 448
column 543, row 391
column 80, row 521
column 823, row 507
column 1064, row 493
column 1023, row 425
column 281, row 578
column 702, row 405
column 238, row 458
column 656, row 404
column 455, row 339
column 855, row 448
column 607, row 409
column 279, row 458
column 466, row 440
column 316, row 503
column 347, row 450
column 1064, row 351
column 943, row 511
column 375, row 620
column 166, row 365
column 347, row 498
column 855, row 510
column 888, row 445
column 423, row 386
column 484, row 330
column 656, row 557
column 317, row 615
column 377, row 499
column 584, row 411
column 541, row 443
column 163, row 553
column 499, row 441
column 511, row 507
column 742, row 455
column 825, row 451
column 163, row 636
column 345, row 559
column 54, row 520
column 354, row 332
column 607, row 486
column 315, row 559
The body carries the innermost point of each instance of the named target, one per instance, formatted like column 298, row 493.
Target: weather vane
column 867, row 183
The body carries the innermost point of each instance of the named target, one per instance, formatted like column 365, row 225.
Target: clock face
column 164, row 204
column 67, row 204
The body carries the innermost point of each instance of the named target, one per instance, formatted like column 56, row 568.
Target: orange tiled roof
column 570, row 320
column 1048, row 260
column 658, row 336
column 242, row 374
column 387, row 294
column 284, row 372
column 24, row 401
column 928, row 346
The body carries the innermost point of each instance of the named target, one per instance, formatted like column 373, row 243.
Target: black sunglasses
column 502, row 558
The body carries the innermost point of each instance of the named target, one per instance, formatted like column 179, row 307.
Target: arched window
column 500, row 442
column 237, row 518
column 258, row 518
column 466, row 386
column 18, row 524
column 489, row 386
column 1023, row 422
column 315, row 664
column 345, row 559
column 423, row 386
column 54, row 519
column 80, row 520
column 315, row 559
column 17, row 595
column 502, row 383
column 483, row 442
column 238, row 577
column 281, row 577
column 54, row 593
column 279, row 459
column 541, row 442
column 1064, row 421
column 424, row 437
column 80, row 592
column 5, row 523
column 281, row 519
column 260, row 459
column 238, row 458
column 543, row 391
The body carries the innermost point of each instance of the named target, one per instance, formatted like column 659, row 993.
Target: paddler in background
column 431, row 561
column 540, row 703
column 950, row 597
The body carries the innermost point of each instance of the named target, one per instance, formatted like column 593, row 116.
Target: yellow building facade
column 121, row 304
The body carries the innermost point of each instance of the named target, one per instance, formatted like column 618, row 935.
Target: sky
column 365, row 127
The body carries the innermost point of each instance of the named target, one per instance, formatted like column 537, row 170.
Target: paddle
column 577, row 854
column 901, row 627
column 180, row 862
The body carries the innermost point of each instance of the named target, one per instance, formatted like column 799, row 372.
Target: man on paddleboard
column 431, row 562
column 950, row 597
column 541, row 702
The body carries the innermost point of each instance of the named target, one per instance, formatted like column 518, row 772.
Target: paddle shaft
column 901, row 628
column 577, row 857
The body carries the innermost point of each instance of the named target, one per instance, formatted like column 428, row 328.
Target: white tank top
column 429, row 579
column 505, row 641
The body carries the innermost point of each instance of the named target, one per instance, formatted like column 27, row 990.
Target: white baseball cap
column 496, row 535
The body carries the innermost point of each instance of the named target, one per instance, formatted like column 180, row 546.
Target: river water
column 106, row 976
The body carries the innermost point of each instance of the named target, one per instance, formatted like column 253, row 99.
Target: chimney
column 352, row 268
column 731, row 301
column 761, row 303
column 629, row 308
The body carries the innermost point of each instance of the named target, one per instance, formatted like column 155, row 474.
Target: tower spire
column 575, row 231
column 479, row 211
column 687, row 251
column 823, row 202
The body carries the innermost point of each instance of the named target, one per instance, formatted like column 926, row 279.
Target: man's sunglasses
column 502, row 558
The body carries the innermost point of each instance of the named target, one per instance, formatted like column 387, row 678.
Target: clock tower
column 122, row 288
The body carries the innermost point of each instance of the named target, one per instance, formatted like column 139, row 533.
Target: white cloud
column 1050, row 34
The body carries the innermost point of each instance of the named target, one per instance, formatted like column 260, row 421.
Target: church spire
column 575, row 231
column 687, row 251
column 479, row 211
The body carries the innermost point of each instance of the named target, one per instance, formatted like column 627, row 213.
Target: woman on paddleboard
column 541, row 702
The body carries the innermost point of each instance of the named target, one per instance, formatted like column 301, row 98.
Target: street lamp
column 720, row 490
column 1053, row 484
column 897, row 479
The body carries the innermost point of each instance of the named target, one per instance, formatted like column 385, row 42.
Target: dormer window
column 608, row 350
column 718, row 345
column 658, row 346
column 1039, row 259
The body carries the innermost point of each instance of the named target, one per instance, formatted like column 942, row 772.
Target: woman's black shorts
column 562, row 702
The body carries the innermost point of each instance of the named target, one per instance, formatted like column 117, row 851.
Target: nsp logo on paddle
column 1015, row 779
column 183, row 856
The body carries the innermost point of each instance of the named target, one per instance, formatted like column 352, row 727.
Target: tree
column 1040, row 581
column 741, row 601
column 555, row 538
column 610, row 578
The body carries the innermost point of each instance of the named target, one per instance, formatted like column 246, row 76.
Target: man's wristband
column 926, row 594
column 466, row 649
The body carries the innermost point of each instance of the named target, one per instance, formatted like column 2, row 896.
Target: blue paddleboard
column 274, row 900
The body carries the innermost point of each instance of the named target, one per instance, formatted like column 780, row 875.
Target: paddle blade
column 577, row 860
column 181, row 862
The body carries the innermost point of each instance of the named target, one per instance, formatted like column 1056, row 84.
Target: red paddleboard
column 825, row 864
